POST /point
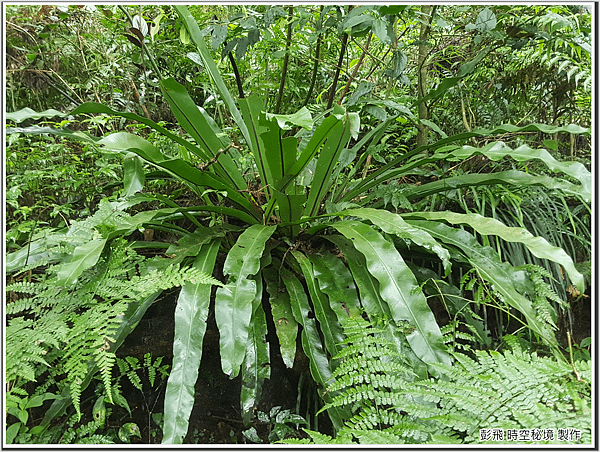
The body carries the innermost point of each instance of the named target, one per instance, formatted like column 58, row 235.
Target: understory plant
column 306, row 238
column 64, row 324
column 529, row 398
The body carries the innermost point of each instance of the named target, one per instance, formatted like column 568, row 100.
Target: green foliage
column 278, row 421
column 282, row 198
column 53, row 181
column 64, row 329
column 85, row 434
column 130, row 367
column 511, row 391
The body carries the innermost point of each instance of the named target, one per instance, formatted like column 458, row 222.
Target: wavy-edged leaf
column 335, row 280
column 27, row 113
column 387, row 172
column 525, row 153
column 256, row 366
column 489, row 226
column 399, row 288
column 84, row 256
column 492, row 269
column 319, row 364
column 311, row 342
column 394, row 224
column 286, row 325
column 37, row 130
column 511, row 177
column 190, row 325
column 372, row 302
column 233, row 303
column 330, row 325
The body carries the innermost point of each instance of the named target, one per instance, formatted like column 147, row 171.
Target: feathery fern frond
column 513, row 391
column 506, row 390
column 72, row 328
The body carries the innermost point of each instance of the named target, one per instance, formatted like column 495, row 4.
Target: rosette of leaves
column 303, row 236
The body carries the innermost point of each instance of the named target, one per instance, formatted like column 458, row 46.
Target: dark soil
column 216, row 416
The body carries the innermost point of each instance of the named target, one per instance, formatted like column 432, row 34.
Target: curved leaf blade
column 394, row 224
column 335, row 280
column 194, row 122
column 211, row 67
column 233, row 303
column 286, row 326
column 372, row 302
column 251, row 108
column 27, row 113
column 133, row 175
column 525, row 153
column 492, row 269
column 95, row 108
column 123, row 141
column 328, row 158
column 511, row 177
column 320, row 367
column 84, row 257
column 256, row 366
column 489, row 226
column 386, row 171
column 398, row 287
column 330, row 325
column 319, row 136
column 191, row 314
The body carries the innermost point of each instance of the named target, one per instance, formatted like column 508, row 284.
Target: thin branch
column 204, row 166
column 286, row 59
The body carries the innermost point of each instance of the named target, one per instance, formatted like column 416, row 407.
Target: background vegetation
column 423, row 169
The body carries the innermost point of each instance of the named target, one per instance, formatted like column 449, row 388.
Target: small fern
column 84, row 434
column 514, row 391
column 544, row 293
column 62, row 331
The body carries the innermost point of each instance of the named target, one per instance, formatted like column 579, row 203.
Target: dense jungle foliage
column 381, row 214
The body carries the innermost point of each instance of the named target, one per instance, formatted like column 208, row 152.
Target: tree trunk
column 286, row 59
column 337, row 71
column 316, row 64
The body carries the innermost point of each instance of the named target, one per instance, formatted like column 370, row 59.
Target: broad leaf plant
column 308, row 234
